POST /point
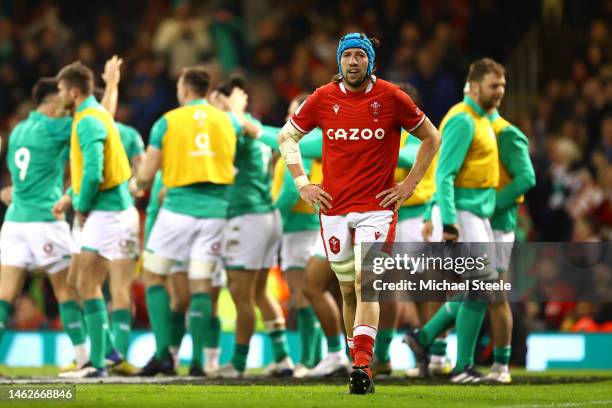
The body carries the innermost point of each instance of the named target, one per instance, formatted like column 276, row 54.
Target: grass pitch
column 554, row 388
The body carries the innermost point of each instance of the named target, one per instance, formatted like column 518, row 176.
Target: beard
column 355, row 82
column 489, row 103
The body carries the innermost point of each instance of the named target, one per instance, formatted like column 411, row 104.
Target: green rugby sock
column 121, row 322
column 212, row 336
column 158, row 306
column 177, row 328
column 501, row 354
column 200, row 312
column 5, row 311
column 318, row 346
column 71, row 316
column 440, row 322
column 383, row 344
column 97, row 322
column 306, row 324
column 280, row 348
column 438, row 348
column 334, row 343
column 239, row 359
column 469, row 321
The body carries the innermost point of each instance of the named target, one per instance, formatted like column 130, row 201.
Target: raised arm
column 111, row 77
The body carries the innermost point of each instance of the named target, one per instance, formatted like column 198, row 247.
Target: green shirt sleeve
column 132, row 141
column 457, row 137
column 236, row 124
column 288, row 196
column 311, row 145
column 158, row 131
column 408, row 154
column 428, row 208
column 269, row 137
column 92, row 134
column 514, row 154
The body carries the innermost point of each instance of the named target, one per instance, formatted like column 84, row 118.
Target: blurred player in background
column 361, row 118
column 467, row 174
column 122, row 271
column 194, row 146
column 516, row 177
column 253, row 239
column 300, row 233
column 103, row 205
column 31, row 237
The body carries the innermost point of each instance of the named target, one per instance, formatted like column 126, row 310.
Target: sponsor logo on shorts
column 334, row 244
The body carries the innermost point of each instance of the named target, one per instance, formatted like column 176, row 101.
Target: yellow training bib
column 480, row 167
column 116, row 164
column 198, row 147
column 426, row 187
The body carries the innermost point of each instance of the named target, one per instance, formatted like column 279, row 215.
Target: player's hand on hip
column 427, row 230
column 314, row 195
column 396, row 195
column 6, row 195
column 81, row 217
column 61, row 207
column 450, row 233
column 133, row 188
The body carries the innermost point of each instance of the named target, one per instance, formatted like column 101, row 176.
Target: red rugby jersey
column 361, row 137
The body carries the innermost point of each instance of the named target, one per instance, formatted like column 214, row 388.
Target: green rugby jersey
column 406, row 159
column 458, row 137
column 200, row 200
column 131, row 140
column 251, row 191
column 514, row 156
column 36, row 158
column 92, row 136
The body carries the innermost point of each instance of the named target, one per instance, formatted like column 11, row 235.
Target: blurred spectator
column 184, row 38
column 437, row 89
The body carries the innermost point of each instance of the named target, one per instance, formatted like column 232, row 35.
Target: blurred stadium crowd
column 285, row 48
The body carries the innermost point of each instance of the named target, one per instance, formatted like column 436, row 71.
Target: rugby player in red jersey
column 361, row 118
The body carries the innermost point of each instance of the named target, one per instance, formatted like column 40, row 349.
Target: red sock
column 363, row 339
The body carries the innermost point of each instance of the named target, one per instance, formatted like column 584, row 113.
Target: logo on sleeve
column 336, row 108
column 334, row 244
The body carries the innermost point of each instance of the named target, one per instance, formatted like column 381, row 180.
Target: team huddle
column 357, row 161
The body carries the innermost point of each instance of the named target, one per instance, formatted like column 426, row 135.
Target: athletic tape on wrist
column 302, row 181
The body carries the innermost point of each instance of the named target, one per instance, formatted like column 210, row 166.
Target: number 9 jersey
column 37, row 153
column 36, row 158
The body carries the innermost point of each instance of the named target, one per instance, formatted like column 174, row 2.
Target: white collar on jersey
column 368, row 89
